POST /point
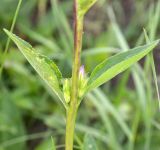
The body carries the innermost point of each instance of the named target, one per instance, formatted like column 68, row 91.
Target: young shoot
column 77, row 86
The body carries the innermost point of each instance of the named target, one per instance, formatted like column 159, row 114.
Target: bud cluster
column 82, row 83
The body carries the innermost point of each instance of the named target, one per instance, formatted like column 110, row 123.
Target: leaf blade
column 117, row 64
column 46, row 69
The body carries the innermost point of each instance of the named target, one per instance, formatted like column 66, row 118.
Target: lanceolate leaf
column 48, row 71
column 116, row 64
column 84, row 6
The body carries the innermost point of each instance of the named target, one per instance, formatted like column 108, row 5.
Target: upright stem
column 72, row 110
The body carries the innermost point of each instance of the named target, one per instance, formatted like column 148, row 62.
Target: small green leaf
column 48, row 70
column 89, row 143
column 116, row 64
column 84, row 6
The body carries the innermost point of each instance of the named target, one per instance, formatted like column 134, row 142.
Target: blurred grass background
column 120, row 115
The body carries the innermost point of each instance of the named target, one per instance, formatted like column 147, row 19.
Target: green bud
column 82, row 82
column 66, row 90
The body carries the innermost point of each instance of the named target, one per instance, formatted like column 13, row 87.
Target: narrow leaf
column 117, row 63
column 48, row 71
column 153, row 68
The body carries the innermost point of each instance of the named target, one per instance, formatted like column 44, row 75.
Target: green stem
column 73, row 108
column 70, row 127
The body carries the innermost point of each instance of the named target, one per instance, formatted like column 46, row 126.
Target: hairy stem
column 73, row 108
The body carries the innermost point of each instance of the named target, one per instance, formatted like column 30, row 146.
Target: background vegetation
column 122, row 114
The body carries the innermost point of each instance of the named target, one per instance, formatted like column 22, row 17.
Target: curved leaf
column 48, row 70
column 116, row 64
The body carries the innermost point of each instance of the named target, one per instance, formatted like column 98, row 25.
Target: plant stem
column 70, row 127
column 73, row 108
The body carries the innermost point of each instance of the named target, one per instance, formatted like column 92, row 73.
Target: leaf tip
column 6, row 31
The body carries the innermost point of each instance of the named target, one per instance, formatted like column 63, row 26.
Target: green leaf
column 48, row 70
column 89, row 143
column 111, row 67
column 84, row 6
column 47, row 144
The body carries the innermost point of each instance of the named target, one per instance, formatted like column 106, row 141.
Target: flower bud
column 82, row 82
column 66, row 90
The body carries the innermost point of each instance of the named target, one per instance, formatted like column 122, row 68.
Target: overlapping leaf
column 116, row 64
column 48, row 70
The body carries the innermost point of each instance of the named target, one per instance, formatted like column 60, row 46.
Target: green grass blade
column 153, row 29
column 108, row 107
column 62, row 24
column 155, row 78
column 152, row 63
column 11, row 30
column 120, row 38
column 112, row 141
column 154, row 20
column 48, row 43
column 102, row 50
